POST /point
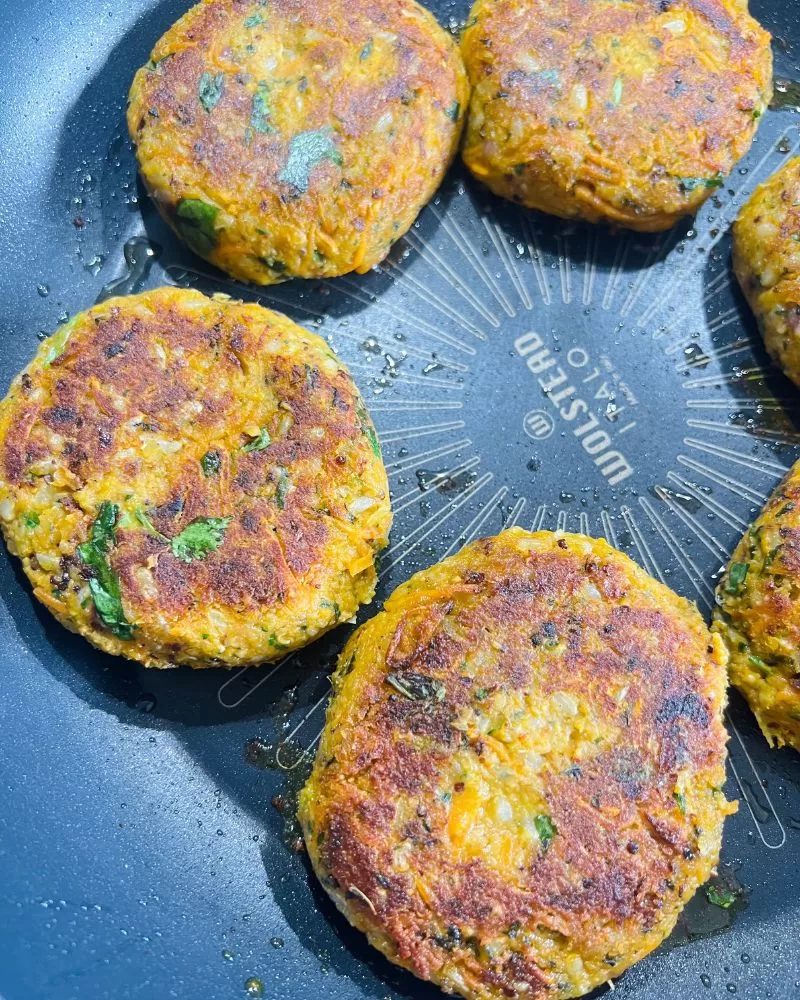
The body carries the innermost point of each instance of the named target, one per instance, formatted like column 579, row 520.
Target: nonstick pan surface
column 147, row 845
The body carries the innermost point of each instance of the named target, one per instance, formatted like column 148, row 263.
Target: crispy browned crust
column 145, row 388
column 630, row 112
column 506, row 632
column 766, row 259
column 379, row 80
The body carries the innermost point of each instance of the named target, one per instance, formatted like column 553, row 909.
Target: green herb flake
column 258, row 443
column 211, row 463
column 198, row 539
column 57, row 343
column 366, row 52
column 306, row 151
column 481, row 694
column 31, row 520
column 254, row 20
column 453, row 111
column 260, row 110
column 104, row 582
column 210, row 90
column 283, row 487
column 720, row 895
column 736, row 577
column 680, row 798
column 417, row 687
column 332, row 606
column 368, row 430
column 546, row 829
column 141, row 516
column 196, row 224
column 763, row 668
column 692, row 183
column 616, row 91
column 273, row 640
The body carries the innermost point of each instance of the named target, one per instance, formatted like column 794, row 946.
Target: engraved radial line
column 248, row 691
column 416, row 494
column 754, row 374
column 451, row 277
column 583, row 521
column 646, row 557
column 732, row 208
column 682, row 341
column 660, row 248
column 564, row 268
column 608, row 528
column 748, row 462
column 293, row 733
column 404, row 280
column 737, row 347
column 437, row 521
column 408, row 378
column 590, row 267
column 498, row 238
column 623, row 246
column 536, row 524
column 407, row 348
column 761, row 787
column 535, row 257
column 476, row 262
column 714, row 506
column 561, row 521
column 422, row 430
column 516, row 513
column 408, row 405
column 704, row 591
column 474, row 527
column 403, row 316
column 726, row 482
column 408, row 462
column 786, row 438
column 753, row 403
column 712, row 543
column 716, row 285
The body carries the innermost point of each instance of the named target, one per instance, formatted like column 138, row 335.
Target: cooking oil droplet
column 139, row 255
column 254, row 987
column 731, row 987
column 43, row 290
column 277, row 942
column 706, row 981
column 227, row 955
column 95, row 265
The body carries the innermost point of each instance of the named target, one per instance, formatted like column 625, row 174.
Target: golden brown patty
column 297, row 138
column 759, row 614
column 191, row 480
column 766, row 258
column 519, row 784
column 628, row 112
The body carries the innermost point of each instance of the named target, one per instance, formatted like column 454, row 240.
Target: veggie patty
column 519, row 784
column 297, row 138
column 192, row 480
column 630, row 113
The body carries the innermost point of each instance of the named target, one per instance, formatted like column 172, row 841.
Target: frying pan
column 147, row 840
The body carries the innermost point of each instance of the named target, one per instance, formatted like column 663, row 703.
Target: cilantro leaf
column 260, row 111
column 546, row 829
column 210, row 91
column 104, row 582
column 195, row 223
column 211, row 463
column 416, row 687
column 253, row 20
column 692, row 183
column 203, row 535
column 31, row 519
column 306, row 150
column 258, row 443
column 283, row 487
column 736, row 577
column 57, row 343
column 720, row 895
column 368, row 429
column 453, row 111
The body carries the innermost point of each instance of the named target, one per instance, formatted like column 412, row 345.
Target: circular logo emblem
column 538, row 424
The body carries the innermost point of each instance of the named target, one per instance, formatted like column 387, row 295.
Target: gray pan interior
column 140, row 854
